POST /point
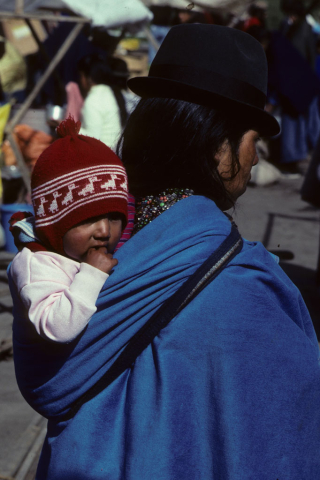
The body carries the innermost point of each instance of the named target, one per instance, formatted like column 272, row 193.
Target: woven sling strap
column 209, row 270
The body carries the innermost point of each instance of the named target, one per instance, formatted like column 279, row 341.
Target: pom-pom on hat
column 75, row 178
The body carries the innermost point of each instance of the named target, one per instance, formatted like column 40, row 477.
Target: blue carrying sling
column 207, row 272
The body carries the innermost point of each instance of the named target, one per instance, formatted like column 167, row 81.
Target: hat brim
column 154, row 87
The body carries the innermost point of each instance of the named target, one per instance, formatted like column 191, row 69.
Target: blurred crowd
column 90, row 84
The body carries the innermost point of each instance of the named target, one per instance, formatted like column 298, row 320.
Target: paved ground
column 274, row 215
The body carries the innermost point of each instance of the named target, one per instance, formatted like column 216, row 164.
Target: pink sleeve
column 74, row 101
column 59, row 294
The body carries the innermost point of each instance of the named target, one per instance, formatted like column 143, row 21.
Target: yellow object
column 4, row 115
column 130, row 43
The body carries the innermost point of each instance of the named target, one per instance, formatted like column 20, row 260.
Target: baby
column 79, row 195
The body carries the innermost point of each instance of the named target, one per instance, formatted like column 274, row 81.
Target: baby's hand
column 99, row 258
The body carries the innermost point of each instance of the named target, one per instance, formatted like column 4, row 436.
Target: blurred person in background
column 257, row 16
column 296, row 29
column 294, row 87
column 104, row 112
column 192, row 15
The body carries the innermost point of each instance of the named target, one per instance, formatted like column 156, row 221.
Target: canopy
column 112, row 13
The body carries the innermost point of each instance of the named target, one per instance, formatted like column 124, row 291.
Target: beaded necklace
column 151, row 206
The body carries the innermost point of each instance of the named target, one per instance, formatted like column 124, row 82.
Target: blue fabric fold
column 229, row 390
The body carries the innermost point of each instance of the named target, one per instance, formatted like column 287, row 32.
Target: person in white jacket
column 107, row 103
column 79, row 195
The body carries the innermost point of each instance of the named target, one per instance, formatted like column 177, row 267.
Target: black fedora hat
column 213, row 66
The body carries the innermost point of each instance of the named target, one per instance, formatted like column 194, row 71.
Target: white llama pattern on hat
column 69, row 197
column 40, row 211
column 77, row 189
column 89, row 188
column 124, row 185
column 54, row 204
column 111, row 184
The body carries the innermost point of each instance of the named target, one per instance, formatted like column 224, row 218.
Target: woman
column 104, row 112
column 230, row 388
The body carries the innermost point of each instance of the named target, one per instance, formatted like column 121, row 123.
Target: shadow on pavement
column 305, row 280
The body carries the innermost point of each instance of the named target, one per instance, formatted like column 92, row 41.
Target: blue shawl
column 230, row 389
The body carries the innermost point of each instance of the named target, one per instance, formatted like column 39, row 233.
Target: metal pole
column 20, row 161
column 151, row 38
column 42, row 16
column 54, row 62
column 19, row 6
column 60, row 84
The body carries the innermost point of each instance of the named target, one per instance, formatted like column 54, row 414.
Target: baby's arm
column 58, row 296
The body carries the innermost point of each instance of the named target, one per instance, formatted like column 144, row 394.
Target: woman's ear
column 223, row 159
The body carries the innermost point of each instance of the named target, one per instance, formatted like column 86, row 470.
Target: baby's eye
column 114, row 216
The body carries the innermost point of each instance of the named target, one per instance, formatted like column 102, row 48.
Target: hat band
column 212, row 82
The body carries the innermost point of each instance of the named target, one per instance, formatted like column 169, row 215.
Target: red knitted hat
column 75, row 178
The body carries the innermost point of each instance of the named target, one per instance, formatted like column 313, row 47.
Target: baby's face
column 96, row 232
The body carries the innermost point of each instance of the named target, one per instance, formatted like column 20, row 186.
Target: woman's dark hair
column 172, row 144
column 101, row 70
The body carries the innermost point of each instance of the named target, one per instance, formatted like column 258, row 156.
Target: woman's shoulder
column 256, row 291
column 256, row 251
column 253, row 298
column 259, row 263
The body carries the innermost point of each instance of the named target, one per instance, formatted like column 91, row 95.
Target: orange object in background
column 31, row 142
